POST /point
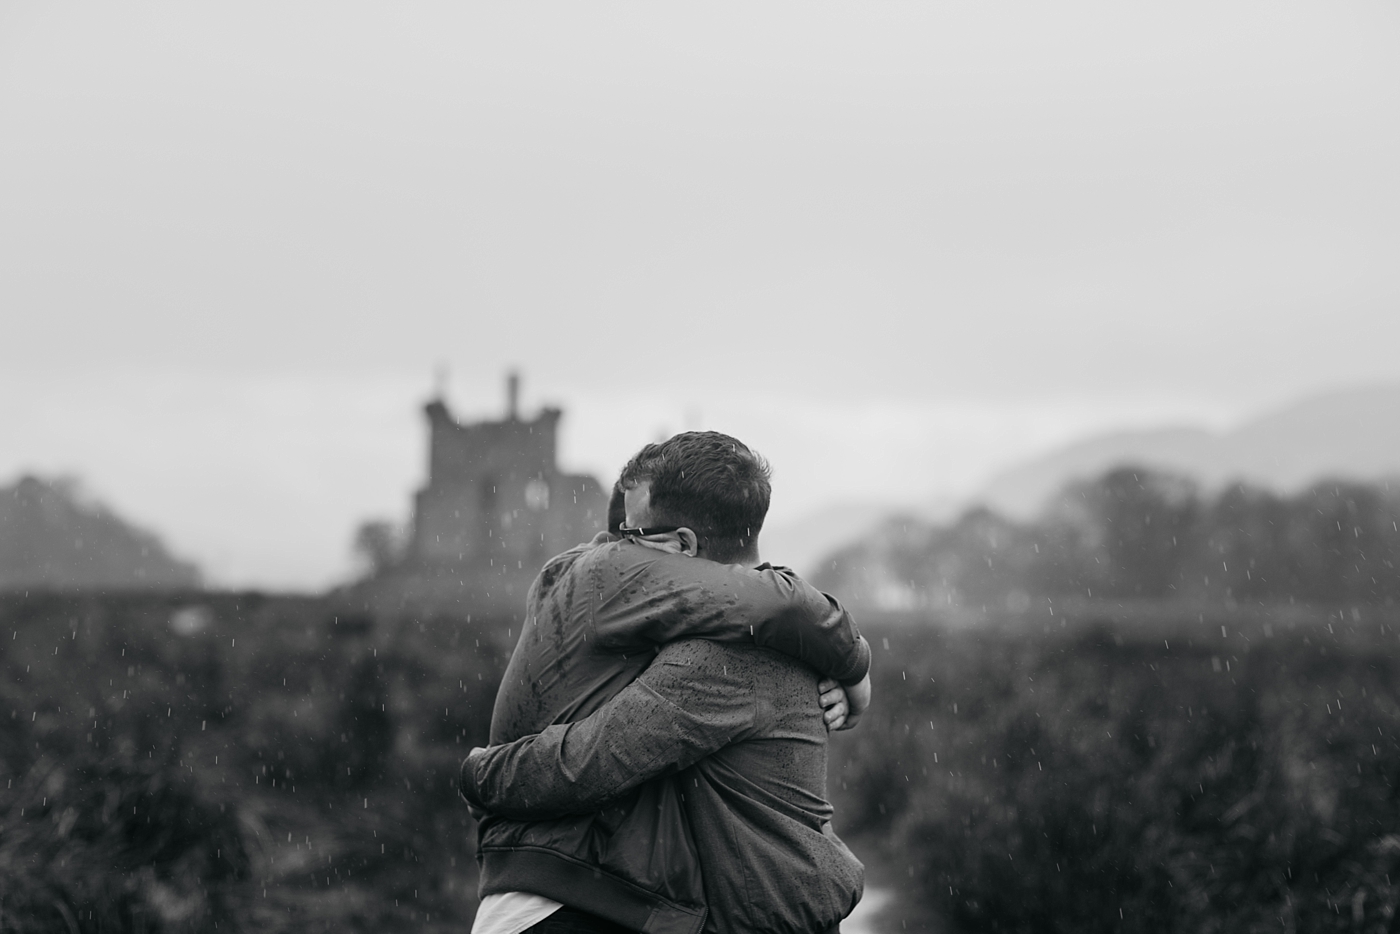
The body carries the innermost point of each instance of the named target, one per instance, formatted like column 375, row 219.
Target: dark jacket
column 744, row 725
column 595, row 617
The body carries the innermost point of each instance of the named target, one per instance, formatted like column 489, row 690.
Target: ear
column 688, row 540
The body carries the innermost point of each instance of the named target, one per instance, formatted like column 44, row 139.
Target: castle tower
column 496, row 505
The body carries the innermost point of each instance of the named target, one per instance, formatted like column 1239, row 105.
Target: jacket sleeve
column 688, row 704
column 644, row 598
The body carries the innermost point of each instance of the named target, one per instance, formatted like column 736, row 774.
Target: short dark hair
column 709, row 482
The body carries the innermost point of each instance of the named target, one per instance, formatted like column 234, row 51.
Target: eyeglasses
column 649, row 530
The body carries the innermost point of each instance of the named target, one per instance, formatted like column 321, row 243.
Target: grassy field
column 173, row 763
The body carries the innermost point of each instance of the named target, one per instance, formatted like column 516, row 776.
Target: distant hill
column 52, row 538
column 803, row 543
column 1347, row 434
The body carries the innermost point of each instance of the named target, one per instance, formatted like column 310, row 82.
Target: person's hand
column 858, row 697
column 835, row 707
column 842, row 707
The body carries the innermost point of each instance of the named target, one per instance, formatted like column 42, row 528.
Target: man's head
column 704, row 481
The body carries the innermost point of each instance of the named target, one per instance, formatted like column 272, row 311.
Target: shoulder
column 558, row 577
column 696, row 652
column 741, row 658
column 704, row 664
column 612, row 562
column 578, row 555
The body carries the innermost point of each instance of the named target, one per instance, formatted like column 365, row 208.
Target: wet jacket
column 595, row 618
column 744, row 725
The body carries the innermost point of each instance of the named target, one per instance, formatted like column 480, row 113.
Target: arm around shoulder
column 649, row 598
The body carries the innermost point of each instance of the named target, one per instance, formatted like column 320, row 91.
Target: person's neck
column 748, row 559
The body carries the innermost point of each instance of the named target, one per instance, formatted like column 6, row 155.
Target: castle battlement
column 495, row 492
column 494, row 508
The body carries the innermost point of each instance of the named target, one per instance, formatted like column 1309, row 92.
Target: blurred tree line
column 1139, row 533
column 1208, row 773
column 233, row 762
column 236, row 762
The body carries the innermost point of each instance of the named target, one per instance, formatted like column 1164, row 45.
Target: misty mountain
column 1346, row 434
column 51, row 537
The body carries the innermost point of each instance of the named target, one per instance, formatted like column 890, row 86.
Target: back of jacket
column 739, row 732
column 758, row 807
column 559, row 673
column 595, row 617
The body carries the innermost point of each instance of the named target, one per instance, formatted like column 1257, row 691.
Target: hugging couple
column 658, row 757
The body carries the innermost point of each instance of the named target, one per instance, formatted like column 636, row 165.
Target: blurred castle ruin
column 495, row 507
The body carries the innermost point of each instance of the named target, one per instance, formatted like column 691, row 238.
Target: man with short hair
column 594, row 812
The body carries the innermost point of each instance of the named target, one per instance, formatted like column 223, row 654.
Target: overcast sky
column 893, row 246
